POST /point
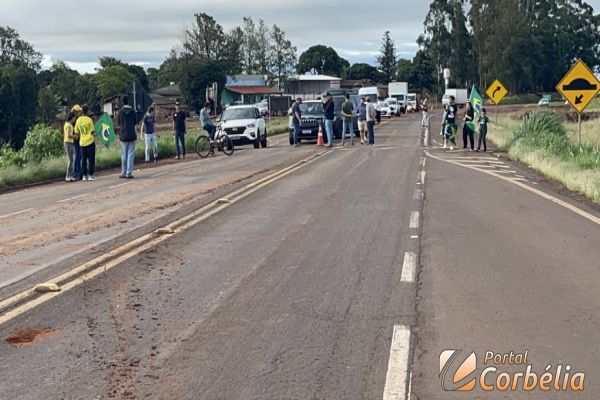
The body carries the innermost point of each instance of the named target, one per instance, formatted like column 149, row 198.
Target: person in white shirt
column 371, row 117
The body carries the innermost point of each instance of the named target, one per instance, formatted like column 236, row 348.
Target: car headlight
column 251, row 126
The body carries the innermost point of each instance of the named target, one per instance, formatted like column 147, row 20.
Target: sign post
column 496, row 93
column 579, row 86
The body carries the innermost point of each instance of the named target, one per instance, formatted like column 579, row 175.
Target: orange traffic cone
column 320, row 141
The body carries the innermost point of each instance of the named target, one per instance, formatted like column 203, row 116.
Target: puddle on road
column 27, row 336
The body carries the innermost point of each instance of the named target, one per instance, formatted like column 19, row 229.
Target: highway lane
column 293, row 292
column 508, row 263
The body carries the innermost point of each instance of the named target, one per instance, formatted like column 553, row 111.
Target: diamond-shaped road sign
column 579, row 86
column 496, row 91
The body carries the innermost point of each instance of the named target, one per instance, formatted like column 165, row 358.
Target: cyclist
column 449, row 126
column 205, row 121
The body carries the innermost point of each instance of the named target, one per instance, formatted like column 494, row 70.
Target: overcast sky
column 143, row 32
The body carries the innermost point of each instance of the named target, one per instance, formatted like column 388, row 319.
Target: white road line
column 423, row 173
column 161, row 174
column 121, row 185
column 414, row 237
column 418, row 195
column 408, row 267
column 414, row 220
column 397, row 373
column 15, row 213
column 73, row 198
column 503, row 166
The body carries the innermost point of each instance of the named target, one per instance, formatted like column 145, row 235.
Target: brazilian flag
column 477, row 102
column 106, row 130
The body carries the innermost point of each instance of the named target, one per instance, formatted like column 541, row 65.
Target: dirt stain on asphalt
column 27, row 336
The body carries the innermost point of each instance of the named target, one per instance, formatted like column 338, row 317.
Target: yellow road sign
column 579, row 86
column 496, row 91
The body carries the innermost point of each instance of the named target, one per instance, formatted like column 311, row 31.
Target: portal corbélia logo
column 504, row 372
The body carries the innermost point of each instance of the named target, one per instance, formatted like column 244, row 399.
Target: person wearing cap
column 329, row 113
column 296, row 121
column 128, row 138
column 179, row 131
column 84, row 127
column 77, row 175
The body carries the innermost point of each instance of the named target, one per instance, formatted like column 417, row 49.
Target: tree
column 262, row 48
column 423, row 73
column 206, row 40
column 47, row 106
column 86, row 92
column 64, row 83
column 363, row 71
column 282, row 55
column 322, row 60
column 197, row 76
column 137, row 71
column 114, row 80
column 387, row 58
column 152, row 79
column 15, row 49
column 18, row 102
column 404, row 70
column 249, row 45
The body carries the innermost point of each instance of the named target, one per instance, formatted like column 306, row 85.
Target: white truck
column 459, row 94
column 372, row 92
column 399, row 90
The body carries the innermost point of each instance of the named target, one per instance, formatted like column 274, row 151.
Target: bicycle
column 205, row 147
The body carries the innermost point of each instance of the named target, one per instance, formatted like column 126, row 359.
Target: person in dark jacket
column 329, row 112
column 128, row 137
column 468, row 131
column 179, row 131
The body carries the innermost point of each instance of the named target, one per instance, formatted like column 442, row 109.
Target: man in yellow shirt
column 84, row 127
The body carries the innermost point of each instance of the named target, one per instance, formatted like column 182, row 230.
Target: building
column 310, row 86
column 164, row 100
column 246, row 89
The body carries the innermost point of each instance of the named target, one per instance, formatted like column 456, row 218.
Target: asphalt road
column 291, row 293
column 343, row 277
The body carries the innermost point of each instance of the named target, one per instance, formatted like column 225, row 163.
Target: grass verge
column 548, row 145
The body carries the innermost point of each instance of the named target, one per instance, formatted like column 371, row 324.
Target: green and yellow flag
column 477, row 102
column 106, row 130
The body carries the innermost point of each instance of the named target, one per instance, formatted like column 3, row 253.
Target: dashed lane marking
column 408, row 267
column 15, row 213
column 414, row 220
column 397, row 372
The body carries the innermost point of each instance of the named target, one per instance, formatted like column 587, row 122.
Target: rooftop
column 253, row 90
column 313, row 78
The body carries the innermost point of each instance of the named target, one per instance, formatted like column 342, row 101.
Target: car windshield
column 392, row 102
column 238, row 113
column 385, row 105
column 311, row 108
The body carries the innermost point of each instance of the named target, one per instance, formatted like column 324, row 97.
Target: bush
column 10, row 157
column 42, row 142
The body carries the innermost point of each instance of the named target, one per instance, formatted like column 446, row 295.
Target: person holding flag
column 476, row 102
column 449, row 126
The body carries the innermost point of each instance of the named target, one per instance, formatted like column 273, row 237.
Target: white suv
column 244, row 125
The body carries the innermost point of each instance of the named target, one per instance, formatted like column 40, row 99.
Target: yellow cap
column 76, row 108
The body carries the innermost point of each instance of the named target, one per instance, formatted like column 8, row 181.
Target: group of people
column 365, row 112
column 80, row 141
column 450, row 126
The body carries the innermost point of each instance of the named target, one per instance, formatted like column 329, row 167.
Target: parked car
column 545, row 101
column 394, row 106
column 386, row 111
column 263, row 107
column 245, row 125
column 312, row 118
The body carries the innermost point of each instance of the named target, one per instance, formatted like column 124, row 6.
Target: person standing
column 84, row 127
column 329, row 113
column 68, row 143
column 467, row 128
column 483, row 128
column 296, row 121
column 179, row 131
column 148, row 135
column 425, row 106
column 371, row 118
column 378, row 111
column 205, row 121
column 449, row 126
column 77, row 171
column 128, row 138
column 361, row 112
column 347, row 110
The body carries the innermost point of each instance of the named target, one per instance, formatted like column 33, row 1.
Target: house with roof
column 310, row 86
column 246, row 89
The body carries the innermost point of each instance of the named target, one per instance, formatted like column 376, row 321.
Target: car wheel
column 264, row 140
column 257, row 141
